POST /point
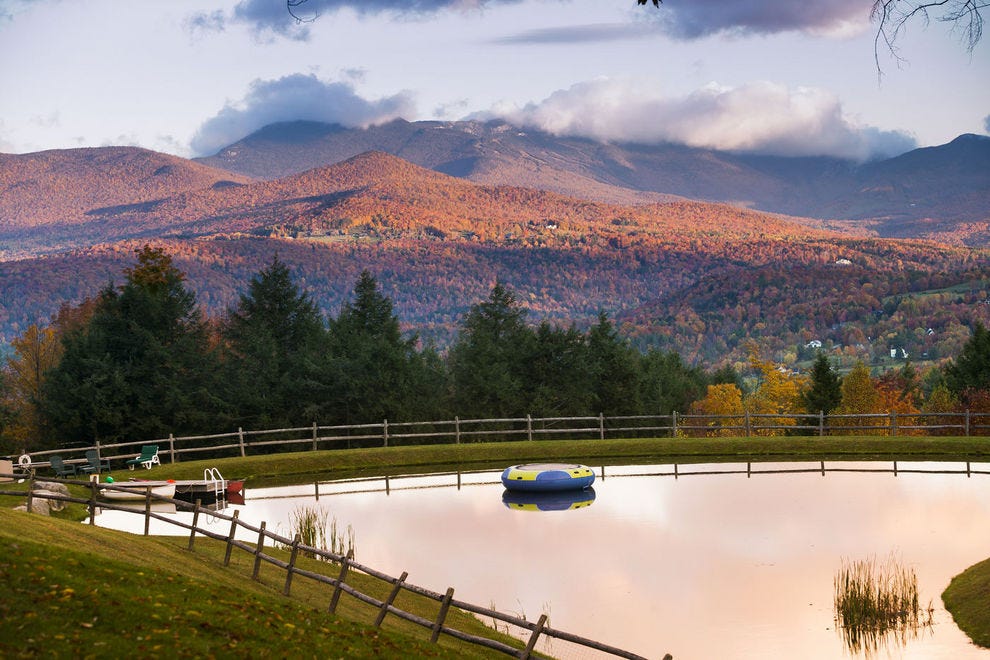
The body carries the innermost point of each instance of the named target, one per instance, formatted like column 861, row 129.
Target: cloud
column 269, row 17
column 296, row 97
column 986, row 124
column 762, row 117
column 691, row 20
column 577, row 34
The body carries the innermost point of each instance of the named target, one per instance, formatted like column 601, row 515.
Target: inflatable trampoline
column 547, row 477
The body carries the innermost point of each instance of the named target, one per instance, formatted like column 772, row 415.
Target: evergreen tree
column 825, row 392
column 615, row 371
column 969, row 373
column 488, row 361
column 667, row 385
column 274, row 337
column 375, row 373
column 140, row 368
column 559, row 373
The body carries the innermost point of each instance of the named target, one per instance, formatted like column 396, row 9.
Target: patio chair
column 62, row 469
column 148, row 457
column 94, row 464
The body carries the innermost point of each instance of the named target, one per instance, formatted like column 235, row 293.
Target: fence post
column 292, row 564
column 147, row 510
column 893, row 423
column 967, row 423
column 30, row 495
column 230, row 538
column 601, row 426
column 529, row 428
column 385, row 433
column 457, row 430
column 344, row 565
column 442, row 614
column 98, row 455
column 673, row 424
column 171, row 447
column 92, row 502
column 257, row 551
column 192, row 532
column 821, row 423
column 240, row 439
column 314, row 436
column 391, row 598
column 747, row 423
column 532, row 638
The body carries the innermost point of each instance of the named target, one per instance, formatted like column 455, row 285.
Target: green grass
column 71, row 590
column 968, row 600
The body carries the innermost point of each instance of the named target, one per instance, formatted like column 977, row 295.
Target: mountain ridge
column 939, row 186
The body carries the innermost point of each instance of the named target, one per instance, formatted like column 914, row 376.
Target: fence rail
column 344, row 562
column 457, row 431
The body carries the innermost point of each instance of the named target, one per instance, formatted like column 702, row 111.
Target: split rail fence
column 457, row 431
column 344, row 564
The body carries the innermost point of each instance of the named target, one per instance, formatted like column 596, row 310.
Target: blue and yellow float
column 547, row 477
column 559, row 500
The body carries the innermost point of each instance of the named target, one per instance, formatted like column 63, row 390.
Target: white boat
column 138, row 490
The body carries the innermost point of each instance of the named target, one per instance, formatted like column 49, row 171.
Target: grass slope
column 71, row 590
column 968, row 599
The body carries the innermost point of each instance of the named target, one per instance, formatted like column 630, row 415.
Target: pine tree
column 374, row 373
column 488, row 361
column 969, row 373
column 274, row 340
column 825, row 391
column 615, row 377
column 140, row 367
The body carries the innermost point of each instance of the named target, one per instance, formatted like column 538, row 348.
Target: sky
column 188, row 77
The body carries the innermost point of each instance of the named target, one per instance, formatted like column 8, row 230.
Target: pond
column 700, row 561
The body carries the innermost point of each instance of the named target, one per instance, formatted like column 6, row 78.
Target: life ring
column 24, row 460
column 547, row 477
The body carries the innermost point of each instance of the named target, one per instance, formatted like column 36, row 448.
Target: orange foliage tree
column 860, row 396
column 722, row 411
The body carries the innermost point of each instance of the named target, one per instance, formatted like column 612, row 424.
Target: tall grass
column 317, row 530
column 876, row 602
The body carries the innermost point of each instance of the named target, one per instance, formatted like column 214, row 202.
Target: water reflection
column 734, row 563
column 559, row 501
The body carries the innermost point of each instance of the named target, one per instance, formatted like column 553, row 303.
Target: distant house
column 814, row 343
column 843, row 262
column 899, row 353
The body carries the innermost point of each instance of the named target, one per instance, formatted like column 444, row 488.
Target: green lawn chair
column 94, row 464
column 62, row 469
column 148, row 457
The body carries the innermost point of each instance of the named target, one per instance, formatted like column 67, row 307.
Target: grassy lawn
column 968, row 599
column 71, row 590
column 81, row 590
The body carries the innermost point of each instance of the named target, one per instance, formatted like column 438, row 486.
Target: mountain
column 65, row 198
column 692, row 276
column 942, row 193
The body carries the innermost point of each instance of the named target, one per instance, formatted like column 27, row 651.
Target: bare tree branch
column 893, row 16
column 291, row 5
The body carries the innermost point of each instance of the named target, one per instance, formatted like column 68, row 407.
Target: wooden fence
column 456, row 431
column 344, row 564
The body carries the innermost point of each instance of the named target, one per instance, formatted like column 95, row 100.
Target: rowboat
column 138, row 490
